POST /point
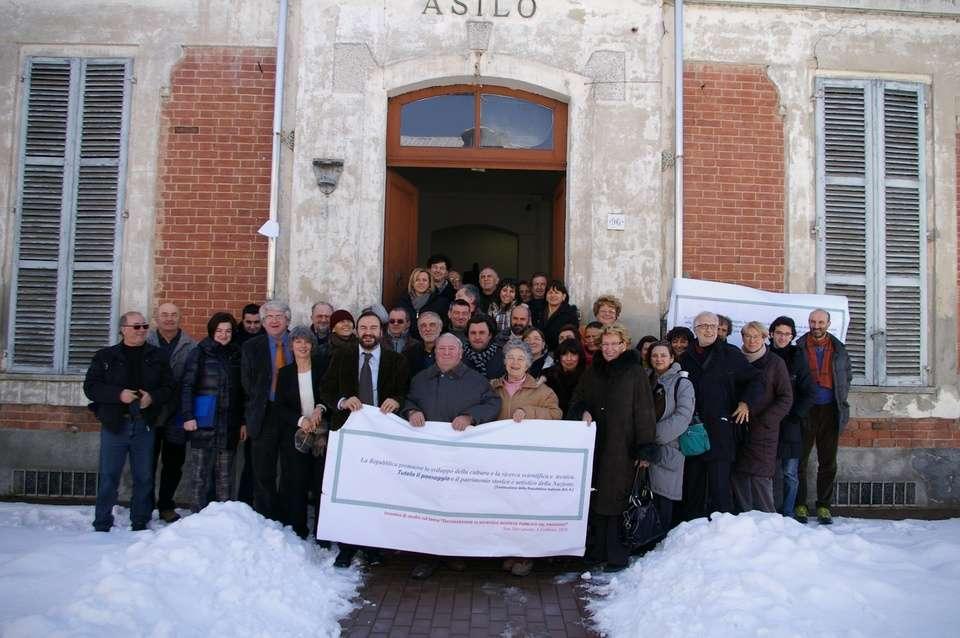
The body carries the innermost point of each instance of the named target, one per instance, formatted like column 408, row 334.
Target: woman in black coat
column 557, row 313
column 297, row 405
column 615, row 392
column 212, row 409
column 564, row 375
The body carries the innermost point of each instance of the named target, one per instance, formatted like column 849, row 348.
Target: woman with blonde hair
column 422, row 296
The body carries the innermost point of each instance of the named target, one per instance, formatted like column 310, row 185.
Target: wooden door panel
column 558, row 244
column 399, row 236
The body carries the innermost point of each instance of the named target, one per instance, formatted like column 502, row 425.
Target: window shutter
column 70, row 198
column 98, row 209
column 41, row 207
column 845, row 197
column 902, row 225
column 871, row 208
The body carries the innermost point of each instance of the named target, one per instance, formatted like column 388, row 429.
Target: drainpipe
column 275, row 157
column 678, row 128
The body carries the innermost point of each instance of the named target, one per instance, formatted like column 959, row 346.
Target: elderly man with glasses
column 727, row 389
column 128, row 383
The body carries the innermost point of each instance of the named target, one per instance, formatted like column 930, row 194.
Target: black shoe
column 344, row 558
column 373, row 556
column 100, row 529
column 612, row 568
column 138, row 527
column 423, row 571
column 323, row 544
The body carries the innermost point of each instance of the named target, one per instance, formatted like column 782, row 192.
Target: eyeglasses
column 398, row 321
column 136, row 326
column 706, row 326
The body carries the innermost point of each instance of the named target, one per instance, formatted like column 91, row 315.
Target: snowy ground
column 763, row 575
column 223, row 572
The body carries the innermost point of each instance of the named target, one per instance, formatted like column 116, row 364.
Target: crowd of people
column 468, row 353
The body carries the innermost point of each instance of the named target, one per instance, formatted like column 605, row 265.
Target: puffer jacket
column 534, row 397
column 666, row 475
column 213, row 369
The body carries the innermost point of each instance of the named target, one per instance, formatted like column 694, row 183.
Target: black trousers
column 264, row 453
column 603, row 541
column 706, row 488
column 245, row 485
column 823, row 431
column 296, row 478
column 172, row 456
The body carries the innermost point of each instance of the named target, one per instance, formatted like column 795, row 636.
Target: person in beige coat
column 522, row 397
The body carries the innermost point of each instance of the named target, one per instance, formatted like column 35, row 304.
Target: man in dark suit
column 263, row 356
column 365, row 375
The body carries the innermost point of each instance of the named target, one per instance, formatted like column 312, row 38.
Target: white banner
column 497, row 489
column 688, row 297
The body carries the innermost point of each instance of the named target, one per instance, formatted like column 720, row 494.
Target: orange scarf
column 822, row 374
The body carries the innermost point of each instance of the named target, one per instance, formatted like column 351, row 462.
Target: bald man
column 170, row 441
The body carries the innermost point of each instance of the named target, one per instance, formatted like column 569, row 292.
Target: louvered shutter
column 69, row 201
column 902, row 300
column 870, row 209
column 847, row 250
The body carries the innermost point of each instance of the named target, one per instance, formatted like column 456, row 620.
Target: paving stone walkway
column 481, row 601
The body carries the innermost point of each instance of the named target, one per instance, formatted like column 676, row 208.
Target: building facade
column 820, row 155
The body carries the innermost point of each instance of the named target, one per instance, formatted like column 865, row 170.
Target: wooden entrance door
column 400, row 236
column 558, row 244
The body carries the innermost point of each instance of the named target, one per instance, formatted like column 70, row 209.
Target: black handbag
column 641, row 522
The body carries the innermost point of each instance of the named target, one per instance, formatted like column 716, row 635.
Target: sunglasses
column 137, row 326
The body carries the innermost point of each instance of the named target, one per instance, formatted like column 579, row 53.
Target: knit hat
column 339, row 316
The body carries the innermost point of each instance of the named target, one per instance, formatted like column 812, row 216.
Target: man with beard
column 365, row 375
column 832, row 373
column 483, row 353
column 727, row 390
column 320, row 315
column 519, row 322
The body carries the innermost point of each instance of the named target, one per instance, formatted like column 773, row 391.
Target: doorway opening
column 476, row 173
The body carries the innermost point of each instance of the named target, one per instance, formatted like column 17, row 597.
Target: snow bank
column 226, row 571
column 763, row 575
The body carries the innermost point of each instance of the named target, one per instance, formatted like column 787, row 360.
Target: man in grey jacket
column 450, row 392
column 831, row 371
column 170, row 442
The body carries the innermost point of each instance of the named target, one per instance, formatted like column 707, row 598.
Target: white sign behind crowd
column 742, row 304
column 497, row 489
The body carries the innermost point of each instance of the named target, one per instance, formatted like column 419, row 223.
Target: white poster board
column 742, row 304
column 497, row 489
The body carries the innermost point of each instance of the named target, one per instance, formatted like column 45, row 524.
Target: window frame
column 69, row 198
column 477, row 157
column 876, row 280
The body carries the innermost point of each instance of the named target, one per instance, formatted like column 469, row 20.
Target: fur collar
column 629, row 358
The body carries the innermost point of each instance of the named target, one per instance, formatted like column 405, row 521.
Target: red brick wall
column 901, row 433
column 214, row 182
column 47, row 417
column 733, row 176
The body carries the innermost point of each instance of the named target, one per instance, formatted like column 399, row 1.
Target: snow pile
column 226, row 571
column 760, row 574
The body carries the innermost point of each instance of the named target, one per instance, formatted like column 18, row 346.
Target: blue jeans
column 136, row 439
column 788, row 470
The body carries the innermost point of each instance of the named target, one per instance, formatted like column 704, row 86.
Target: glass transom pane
column 509, row 122
column 444, row 121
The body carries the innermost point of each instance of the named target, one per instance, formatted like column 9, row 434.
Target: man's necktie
column 279, row 360
column 365, row 393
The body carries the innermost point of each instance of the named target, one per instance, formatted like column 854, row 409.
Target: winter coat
column 563, row 383
column 842, row 377
column 720, row 381
column 791, row 428
column 566, row 314
column 418, row 359
column 617, row 395
column 535, row 398
column 758, row 456
column 666, row 475
column 436, row 302
column 178, row 359
column 213, row 369
column 108, row 375
column 443, row 396
column 541, row 365
column 488, row 362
